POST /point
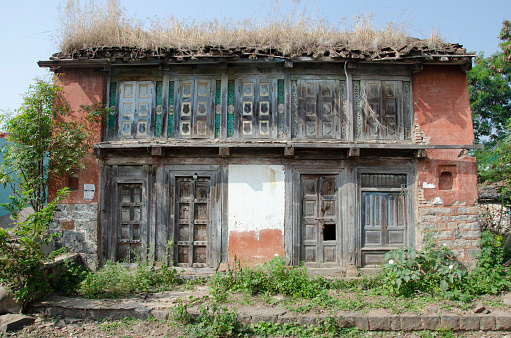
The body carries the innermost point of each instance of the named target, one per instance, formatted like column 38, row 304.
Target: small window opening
column 73, row 179
column 446, row 181
column 329, row 232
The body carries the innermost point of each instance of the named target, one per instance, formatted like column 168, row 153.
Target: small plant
column 407, row 271
column 70, row 277
column 212, row 321
column 329, row 328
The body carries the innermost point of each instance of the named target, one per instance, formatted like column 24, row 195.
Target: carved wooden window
column 192, row 203
column 136, row 102
column 382, row 110
column 384, row 221
column 195, row 108
column 129, row 239
column 256, row 108
column 317, row 110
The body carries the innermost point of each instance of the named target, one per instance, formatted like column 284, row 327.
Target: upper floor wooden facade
column 242, row 102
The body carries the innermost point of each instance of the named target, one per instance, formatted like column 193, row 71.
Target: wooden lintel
column 288, row 64
column 417, row 67
column 289, row 152
column 224, row 151
column 96, row 151
column 354, row 152
column 421, row 153
column 157, row 151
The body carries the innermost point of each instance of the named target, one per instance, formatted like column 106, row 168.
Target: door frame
column 293, row 238
column 214, row 173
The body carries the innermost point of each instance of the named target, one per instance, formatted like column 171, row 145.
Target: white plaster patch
column 437, row 200
column 256, row 197
column 427, row 185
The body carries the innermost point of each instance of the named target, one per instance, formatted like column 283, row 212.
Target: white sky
column 28, row 28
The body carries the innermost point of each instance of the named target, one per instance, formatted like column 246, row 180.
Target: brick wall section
column 77, row 225
column 442, row 113
column 77, row 220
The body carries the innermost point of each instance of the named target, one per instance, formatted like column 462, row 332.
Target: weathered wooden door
column 319, row 221
column 136, row 104
column 193, row 220
column 318, row 109
column 131, row 223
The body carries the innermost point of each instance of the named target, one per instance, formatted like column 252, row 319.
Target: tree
column 41, row 144
column 490, row 91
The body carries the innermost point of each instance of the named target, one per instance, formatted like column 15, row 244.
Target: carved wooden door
column 318, row 109
column 131, row 223
column 193, row 219
column 136, row 103
column 319, row 220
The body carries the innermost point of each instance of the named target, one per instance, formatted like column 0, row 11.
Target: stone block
column 450, row 322
column 358, row 321
column 379, row 323
column 464, row 218
column 445, row 234
column 14, row 322
column 430, row 322
column 503, row 323
column 435, row 211
column 469, row 323
column 411, row 323
column 465, row 243
column 471, row 234
column 7, row 303
column 473, row 253
column 487, row 323
column 468, row 210
column 469, row 226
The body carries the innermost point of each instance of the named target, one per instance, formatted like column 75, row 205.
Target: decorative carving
column 407, row 110
column 217, row 108
column 280, row 108
column 344, row 117
column 357, row 111
column 113, row 108
column 157, row 122
column 230, row 108
column 294, row 108
column 170, row 119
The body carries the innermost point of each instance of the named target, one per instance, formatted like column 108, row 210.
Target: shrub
column 22, row 256
column 407, row 271
column 489, row 276
column 70, row 276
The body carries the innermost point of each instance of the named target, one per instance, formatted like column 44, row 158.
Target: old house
column 330, row 159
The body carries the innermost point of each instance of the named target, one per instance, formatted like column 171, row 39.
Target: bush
column 22, row 257
column 407, row 271
column 117, row 280
column 70, row 277
column 273, row 277
column 489, row 276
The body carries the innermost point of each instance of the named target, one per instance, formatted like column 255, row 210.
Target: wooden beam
column 354, row 152
column 421, row 153
column 157, row 151
column 224, row 151
column 289, row 152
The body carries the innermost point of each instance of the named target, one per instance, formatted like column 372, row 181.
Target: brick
column 503, row 323
column 379, row 323
column 360, row 322
column 411, row 323
column 487, row 323
column 450, row 322
column 430, row 322
column 469, row 323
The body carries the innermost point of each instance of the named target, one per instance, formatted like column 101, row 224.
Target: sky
column 29, row 29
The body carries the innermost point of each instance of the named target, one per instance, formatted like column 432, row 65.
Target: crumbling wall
column 446, row 182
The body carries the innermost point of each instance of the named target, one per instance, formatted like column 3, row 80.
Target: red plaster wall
column 82, row 87
column 442, row 111
column 251, row 247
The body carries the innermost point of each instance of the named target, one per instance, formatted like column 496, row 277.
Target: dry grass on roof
column 93, row 24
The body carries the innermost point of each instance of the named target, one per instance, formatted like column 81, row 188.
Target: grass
column 95, row 23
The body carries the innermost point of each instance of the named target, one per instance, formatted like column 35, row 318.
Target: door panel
column 129, row 239
column 193, row 220
column 319, row 221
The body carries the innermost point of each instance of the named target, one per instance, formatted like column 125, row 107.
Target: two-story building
column 329, row 159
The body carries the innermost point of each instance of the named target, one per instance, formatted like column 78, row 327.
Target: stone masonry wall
column 456, row 227
column 77, row 225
